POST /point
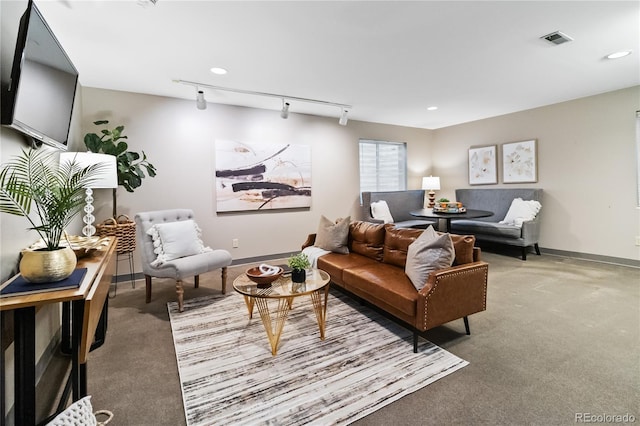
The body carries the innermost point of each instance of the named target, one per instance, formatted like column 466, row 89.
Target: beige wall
column 586, row 165
column 179, row 140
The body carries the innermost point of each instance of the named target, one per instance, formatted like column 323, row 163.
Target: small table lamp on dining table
column 432, row 184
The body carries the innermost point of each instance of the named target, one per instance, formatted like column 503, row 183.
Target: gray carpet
column 559, row 337
column 230, row 377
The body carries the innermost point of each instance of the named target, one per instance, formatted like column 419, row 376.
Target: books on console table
column 18, row 286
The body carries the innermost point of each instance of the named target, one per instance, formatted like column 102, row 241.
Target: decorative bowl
column 261, row 279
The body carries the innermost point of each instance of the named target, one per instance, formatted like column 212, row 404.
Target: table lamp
column 104, row 177
column 431, row 183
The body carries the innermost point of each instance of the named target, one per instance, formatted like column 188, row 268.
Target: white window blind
column 383, row 166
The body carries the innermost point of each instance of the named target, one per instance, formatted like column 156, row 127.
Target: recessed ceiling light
column 432, row 108
column 219, row 71
column 617, row 55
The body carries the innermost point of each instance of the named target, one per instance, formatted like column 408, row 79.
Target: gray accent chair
column 400, row 204
column 498, row 201
column 183, row 267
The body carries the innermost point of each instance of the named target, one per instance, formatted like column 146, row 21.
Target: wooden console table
column 88, row 305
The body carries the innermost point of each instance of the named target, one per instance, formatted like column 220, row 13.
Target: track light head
column 285, row 110
column 201, row 103
column 343, row 118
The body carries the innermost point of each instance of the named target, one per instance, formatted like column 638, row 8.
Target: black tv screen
column 38, row 91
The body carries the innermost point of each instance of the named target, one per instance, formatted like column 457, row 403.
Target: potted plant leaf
column 298, row 264
column 131, row 165
column 48, row 195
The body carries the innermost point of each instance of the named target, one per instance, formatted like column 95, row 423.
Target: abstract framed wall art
column 519, row 162
column 262, row 176
column 483, row 167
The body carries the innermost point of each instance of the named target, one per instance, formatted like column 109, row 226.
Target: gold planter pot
column 41, row 266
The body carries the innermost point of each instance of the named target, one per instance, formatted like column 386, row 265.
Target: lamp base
column 432, row 199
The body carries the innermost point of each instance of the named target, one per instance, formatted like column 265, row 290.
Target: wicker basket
column 121, row 227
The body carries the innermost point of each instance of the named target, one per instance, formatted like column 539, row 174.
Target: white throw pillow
column 173, row 240
column 429, row 252
column 521, row 211
column 380, row 210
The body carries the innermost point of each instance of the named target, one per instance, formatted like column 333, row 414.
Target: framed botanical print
column 482, row 165
column 519, row 162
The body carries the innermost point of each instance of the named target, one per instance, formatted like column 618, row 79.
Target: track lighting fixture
column 284, row 113
column 201, row 103
column 285, row 110
column 343, row 118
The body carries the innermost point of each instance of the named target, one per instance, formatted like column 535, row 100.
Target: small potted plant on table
column 298, row 264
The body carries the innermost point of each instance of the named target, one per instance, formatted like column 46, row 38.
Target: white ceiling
column 390, row 60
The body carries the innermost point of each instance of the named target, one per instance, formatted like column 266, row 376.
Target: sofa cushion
column 521, row 211
column 463, row 246
column 396, row 244
column 485, row 228
column 383, row 283
column 380, row 211
column 429, row 252
column 367, row 239
column 334, row 264
column 333, row 236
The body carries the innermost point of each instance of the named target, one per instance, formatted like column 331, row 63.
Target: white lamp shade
column 431, row 182
column 105, row 177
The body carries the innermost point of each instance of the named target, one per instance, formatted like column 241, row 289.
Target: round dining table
column 448, row 217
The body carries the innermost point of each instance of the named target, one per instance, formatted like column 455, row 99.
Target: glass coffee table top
column 283, row 286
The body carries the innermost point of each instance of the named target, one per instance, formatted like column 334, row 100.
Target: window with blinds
column 383, row 166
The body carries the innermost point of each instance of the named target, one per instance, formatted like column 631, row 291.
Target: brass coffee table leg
column 249, row 301
column 273, row 329
column 320, row 308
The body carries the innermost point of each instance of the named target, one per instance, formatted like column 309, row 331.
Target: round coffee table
column 284, row 291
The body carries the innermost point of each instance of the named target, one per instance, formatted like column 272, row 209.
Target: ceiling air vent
column 557, row 37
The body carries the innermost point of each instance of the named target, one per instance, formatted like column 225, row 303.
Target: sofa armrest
column 452, row 293
column 531, row 231
column 311, row 240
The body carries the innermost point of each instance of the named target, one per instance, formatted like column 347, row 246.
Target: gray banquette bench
column 400, row 204
column 498, row 200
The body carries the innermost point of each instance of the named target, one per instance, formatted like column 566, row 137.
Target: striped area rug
column 229, row 376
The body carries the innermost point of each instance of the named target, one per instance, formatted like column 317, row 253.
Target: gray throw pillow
column 333, row 236
column 428, row 253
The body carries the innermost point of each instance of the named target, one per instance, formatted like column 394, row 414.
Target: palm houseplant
column 131, row 166
column 48, row 194
column 299, row 264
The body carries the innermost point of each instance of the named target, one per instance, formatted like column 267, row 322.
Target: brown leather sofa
column 374, row 271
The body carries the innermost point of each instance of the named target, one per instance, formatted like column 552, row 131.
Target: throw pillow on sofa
column 429, row 252
column 333, row 236
column 521, row 211
column 173, row 240
column 380, row 210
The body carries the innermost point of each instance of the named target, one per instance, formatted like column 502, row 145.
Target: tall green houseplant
column 130, row 164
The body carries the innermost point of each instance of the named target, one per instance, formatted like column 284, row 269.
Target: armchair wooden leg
column 196, row 281
column 535, row 246
column 224, row 280
column 147, row 281
column 466, row 325
column 180, row 293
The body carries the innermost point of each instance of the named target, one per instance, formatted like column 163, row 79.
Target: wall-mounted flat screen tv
column 38, row 89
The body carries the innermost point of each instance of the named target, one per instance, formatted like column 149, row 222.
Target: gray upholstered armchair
column 170, row 247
